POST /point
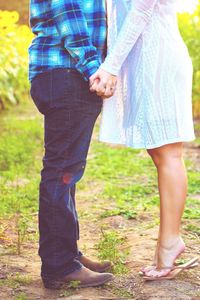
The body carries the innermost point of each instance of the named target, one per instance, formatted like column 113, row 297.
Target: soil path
column 141, row 239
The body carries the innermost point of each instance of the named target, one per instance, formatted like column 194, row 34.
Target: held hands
column 103, row 83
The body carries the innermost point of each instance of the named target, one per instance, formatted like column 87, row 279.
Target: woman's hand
column 103, row 83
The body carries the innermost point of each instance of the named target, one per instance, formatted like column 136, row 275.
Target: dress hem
column 140, row 146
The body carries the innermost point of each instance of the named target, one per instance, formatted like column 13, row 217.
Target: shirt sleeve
column 71, row 25
column 134, row 24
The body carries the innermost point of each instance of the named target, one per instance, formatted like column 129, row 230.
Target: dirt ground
column 141, row 238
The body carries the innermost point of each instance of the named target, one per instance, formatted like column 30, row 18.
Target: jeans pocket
column 41, row 91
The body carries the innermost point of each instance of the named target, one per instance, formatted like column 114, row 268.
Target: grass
column 21, row 296
column 20, row 162
column 118, row 182
column 194, row 229
column 15, row 280
column 128, row 213
column 112, row 247
column 123, row 293
column 125, row 178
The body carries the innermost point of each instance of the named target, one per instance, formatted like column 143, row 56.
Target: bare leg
column 172, row 184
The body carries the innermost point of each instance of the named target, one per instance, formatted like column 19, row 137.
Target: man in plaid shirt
column 69, row 45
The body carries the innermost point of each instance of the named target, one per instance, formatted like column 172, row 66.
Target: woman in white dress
column 151, row 107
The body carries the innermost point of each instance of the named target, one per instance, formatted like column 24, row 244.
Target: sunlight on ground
column 187, row 5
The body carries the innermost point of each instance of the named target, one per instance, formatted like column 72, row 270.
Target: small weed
column 15, row 280
column 69, row 291
column 20, row 278
column 152, row 224
column 21, row 228
column 192, row 210
column 74, row 284
column 21, row 296
column 128, row 214
column 110, row 248
column 194, row 181
column 193, row 228
column 66, row 293
column 122, row 293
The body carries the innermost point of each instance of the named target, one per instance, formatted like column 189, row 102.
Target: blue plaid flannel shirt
column 69, row 34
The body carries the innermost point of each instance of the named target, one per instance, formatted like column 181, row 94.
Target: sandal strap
column 182, row 266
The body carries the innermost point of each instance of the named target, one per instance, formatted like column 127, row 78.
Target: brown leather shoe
column 79, row 279
column 95, row 266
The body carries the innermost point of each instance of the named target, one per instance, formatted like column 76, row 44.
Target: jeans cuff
column 75, row 267
column 62, row 271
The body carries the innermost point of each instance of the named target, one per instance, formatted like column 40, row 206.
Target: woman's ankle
column 172, row 242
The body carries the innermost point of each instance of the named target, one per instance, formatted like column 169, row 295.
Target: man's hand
column 103, row 83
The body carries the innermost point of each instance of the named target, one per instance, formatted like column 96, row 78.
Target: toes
column 150, row 273
column 147, row 269
column 157, row 273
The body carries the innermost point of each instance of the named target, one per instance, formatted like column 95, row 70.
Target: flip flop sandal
column 174, row 271
column 194, row 265
column 143, row 272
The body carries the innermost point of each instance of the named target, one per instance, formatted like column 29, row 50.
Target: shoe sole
column 95, row 284
column 56, row 285
column 102, row 270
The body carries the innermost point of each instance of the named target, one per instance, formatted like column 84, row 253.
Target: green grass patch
column 21, row 146
column 112, row 247
column 16, row 280
column 21, row 296
column 193, row 228
column 193, row 181
column 125, row 179
column 125, row 212
column 192, row 210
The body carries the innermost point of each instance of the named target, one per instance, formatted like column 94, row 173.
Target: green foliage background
column 190, row 30
column 22, row 6
column 14, row 61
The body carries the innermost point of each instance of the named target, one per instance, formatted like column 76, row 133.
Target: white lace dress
column 152, row 105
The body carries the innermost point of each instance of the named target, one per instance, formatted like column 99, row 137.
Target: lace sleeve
column 138, row 16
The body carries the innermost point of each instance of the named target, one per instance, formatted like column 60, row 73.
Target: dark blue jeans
column 70, row 111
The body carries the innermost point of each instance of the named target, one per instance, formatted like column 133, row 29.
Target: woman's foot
column 167, row 254
column 154, row 263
